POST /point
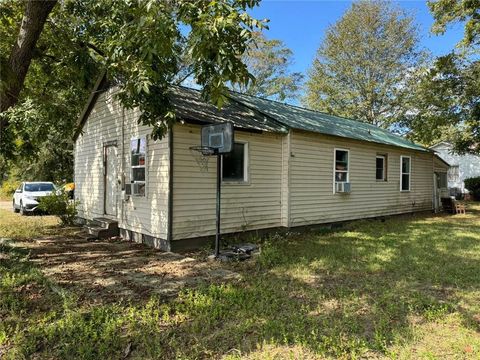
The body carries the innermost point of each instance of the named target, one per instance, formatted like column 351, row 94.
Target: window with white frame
column 235, row 164
column 138, row 151
column 342, row 159
column 405, row 173
column 381, row 168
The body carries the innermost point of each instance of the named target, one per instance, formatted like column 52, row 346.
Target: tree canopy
column 444, row 104
column 444, row 96
column 141, row 44
column 269, row 62
column 446, row 12
column 362, row 62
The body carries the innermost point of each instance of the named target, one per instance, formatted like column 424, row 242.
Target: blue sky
column 301, row 25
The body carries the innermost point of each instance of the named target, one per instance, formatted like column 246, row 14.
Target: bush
column 473, row 186
column 8, row 188
column 60, row 205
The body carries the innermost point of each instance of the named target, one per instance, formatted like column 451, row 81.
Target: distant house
column 290, row 167
column 461, row 166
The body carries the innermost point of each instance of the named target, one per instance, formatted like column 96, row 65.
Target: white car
column 28, row 194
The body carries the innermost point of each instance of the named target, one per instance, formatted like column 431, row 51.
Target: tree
column 361, row 65
column 269, row 62
column 446, row 12
column 445, row 104
column 140, row 44
column 14, row 69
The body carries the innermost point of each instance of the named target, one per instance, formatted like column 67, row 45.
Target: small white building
column 288, row 169
column 461, row 166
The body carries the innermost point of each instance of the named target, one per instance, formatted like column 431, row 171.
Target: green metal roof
column 303, row 119
column 249, row 112
column 189, row 105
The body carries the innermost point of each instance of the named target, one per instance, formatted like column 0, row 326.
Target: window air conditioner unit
column 342, row 187
column 135, row 189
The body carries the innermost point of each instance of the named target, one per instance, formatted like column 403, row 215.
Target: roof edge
column 441, row 159
column 97, row 89
column 440, row 143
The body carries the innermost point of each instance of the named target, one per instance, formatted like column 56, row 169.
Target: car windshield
column 39, row 187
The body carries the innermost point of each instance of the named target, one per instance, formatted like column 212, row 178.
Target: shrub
column 473, row 186
column 8, row 188
column 60, row 205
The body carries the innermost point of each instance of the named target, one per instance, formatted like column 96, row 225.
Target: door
column 110, row 180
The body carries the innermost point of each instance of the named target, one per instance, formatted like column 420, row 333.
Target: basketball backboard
column 218, row 137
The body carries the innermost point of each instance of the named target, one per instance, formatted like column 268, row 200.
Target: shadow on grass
column 350, row 293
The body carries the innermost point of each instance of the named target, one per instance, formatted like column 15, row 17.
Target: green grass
column 405, row 288
column 25, row 227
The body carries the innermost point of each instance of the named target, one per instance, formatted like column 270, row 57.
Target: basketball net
column 201, row 154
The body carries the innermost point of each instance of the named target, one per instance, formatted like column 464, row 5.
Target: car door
column 18, row 195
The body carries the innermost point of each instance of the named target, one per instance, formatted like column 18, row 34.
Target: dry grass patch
column 404, row 288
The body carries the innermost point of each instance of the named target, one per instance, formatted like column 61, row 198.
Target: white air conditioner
column 342, row 187
column 135, row 189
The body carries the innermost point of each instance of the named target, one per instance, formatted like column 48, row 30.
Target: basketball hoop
column 216, row 139
column 202, row 155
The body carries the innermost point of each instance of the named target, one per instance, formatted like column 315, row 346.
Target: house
column 461, row 166
column 291, row 167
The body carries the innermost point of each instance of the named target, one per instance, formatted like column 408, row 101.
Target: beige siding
column 290, row 179
column 254, row 205
column 105, row 124
column 439, row 165
column 312, row 199
column 285, row 197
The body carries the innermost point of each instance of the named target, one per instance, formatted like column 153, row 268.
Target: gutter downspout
column 170, row 189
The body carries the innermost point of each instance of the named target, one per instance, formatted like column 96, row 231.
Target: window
column 405, row 173
column 341, row 165
column 381, row 168
column 453, row 174
column 442, row 181
column 234, row 164
column 138, row 148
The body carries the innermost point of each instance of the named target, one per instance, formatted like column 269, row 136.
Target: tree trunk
column 36, row 13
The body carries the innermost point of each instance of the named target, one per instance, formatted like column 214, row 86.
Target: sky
column 301, row 25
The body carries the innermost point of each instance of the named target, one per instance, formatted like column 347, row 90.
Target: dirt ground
column 5, row 205
column 113, row 270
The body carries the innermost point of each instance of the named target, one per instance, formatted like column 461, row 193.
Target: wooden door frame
column 106, row 145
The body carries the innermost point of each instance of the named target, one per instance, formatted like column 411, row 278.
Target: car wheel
column 22, row 209
column 15, row 210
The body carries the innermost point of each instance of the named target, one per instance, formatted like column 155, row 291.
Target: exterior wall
column 312, row 199
column 439, row 166
column 245, row 206
column 285, row 193
column 105, row 124
column 468, row 165
column 290, row 179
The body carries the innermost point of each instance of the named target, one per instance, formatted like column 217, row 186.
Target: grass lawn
column 405, row 288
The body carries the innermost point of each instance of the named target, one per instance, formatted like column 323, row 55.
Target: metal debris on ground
column 237, row 252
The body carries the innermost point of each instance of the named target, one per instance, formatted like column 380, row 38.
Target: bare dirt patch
column 112, row 270
column 5, row 205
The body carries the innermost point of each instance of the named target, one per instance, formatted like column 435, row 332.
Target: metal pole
column 219, row 184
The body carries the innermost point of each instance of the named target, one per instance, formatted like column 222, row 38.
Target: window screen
column 442, row 181
column 380, row 169
column 405, row 174
column 138, row 148
column 233, row 165
column 341, row 166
